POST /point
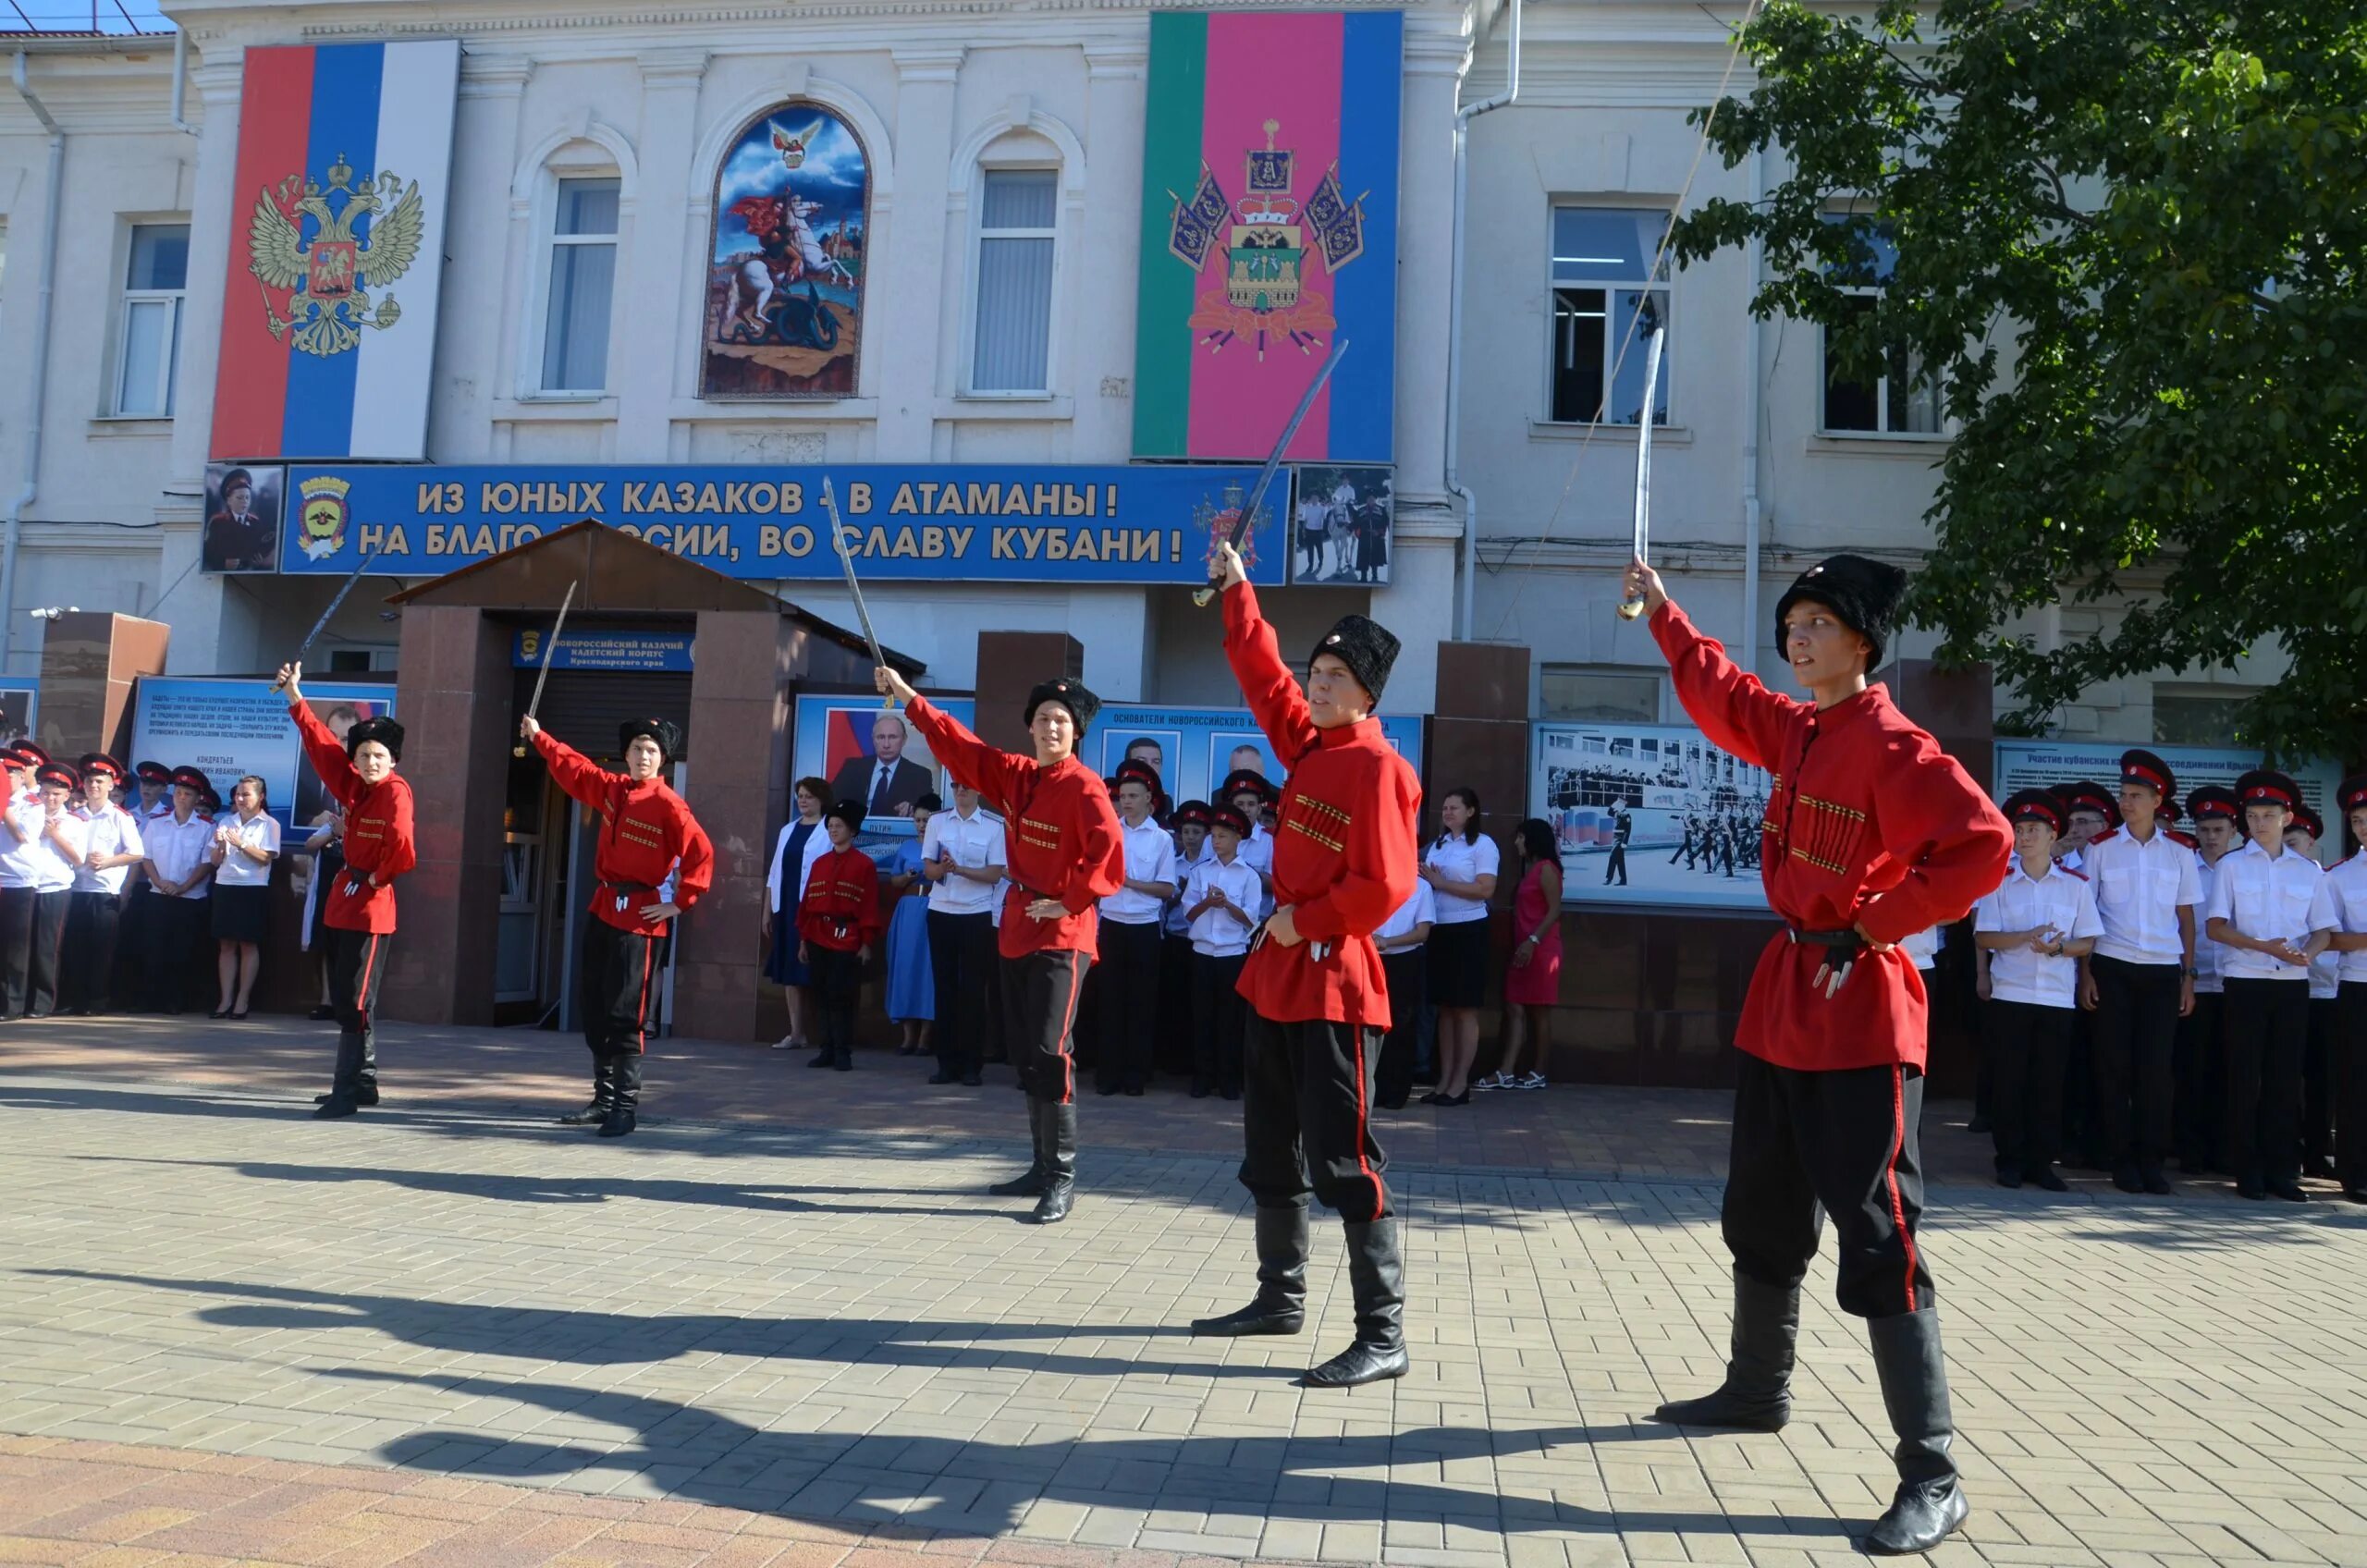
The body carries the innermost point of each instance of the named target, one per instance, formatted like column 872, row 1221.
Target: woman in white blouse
column 802, row 842
column 1460, row 866
column 244, row 846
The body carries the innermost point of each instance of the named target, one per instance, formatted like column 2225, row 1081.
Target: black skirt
column 1458, row 964
column 241, row 915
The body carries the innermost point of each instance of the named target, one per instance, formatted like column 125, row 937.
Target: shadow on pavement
column 966, row 1486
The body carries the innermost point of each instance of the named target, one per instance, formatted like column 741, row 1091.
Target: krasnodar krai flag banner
column 337, row 246
column 1269, row 227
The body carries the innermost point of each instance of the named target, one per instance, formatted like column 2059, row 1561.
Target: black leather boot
column 344, row 1096
column 623, row 1110
column 1377, row 1276
column 1280, row 1306
column 1929, row 1503
column 603, row 1095
column 1028, row 1184
column 1757, row 1394
column 1059, row 1165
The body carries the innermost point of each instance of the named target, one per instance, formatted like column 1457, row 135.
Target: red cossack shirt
column 645, row 832
column 1059, row 834
column 1345, row 852
column 840, row 911
column 1869, row 824
column 378, row 842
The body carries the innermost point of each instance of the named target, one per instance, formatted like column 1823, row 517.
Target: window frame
column 1948, row 428
column 1016, row 163
column 555, row 172
column 1664, row 287
column 127, row 299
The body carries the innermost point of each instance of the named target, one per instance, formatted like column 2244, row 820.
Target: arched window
column 1022, row 187
column 581, row 191
column 788, row 262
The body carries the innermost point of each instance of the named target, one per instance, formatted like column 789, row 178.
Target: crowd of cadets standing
column 2150, row 993
column 108, row 887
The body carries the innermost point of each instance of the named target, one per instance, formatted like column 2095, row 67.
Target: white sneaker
column 1530, row 1081
column 788, row 1043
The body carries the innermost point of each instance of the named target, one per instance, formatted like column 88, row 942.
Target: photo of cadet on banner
column 1650, row 814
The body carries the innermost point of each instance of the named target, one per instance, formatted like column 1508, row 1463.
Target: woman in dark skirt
column 802, row 842
column 245, row 843
column 1460, row 865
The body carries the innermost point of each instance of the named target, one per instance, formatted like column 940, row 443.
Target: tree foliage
column 2128, row 246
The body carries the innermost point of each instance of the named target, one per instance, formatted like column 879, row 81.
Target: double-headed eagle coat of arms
column 302, row 239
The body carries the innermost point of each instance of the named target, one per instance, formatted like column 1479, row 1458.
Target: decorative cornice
column 928, row 62
column 736, row 17
column 674, row 67
column 495, row 76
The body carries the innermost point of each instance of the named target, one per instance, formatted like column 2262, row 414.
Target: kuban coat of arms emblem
column 312, row 240
column 1268, row 239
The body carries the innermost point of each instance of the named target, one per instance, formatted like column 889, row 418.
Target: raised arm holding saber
column 1247, row 516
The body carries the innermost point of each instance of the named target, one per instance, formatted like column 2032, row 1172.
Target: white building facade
column 586, row 142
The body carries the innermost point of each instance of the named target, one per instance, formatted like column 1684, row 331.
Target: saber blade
column 855, row 588
column 330, row 614
column 1631, row 608
column 1273, row 464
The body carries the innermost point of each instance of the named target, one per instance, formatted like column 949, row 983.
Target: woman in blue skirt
column 802, row 842
column 911, row 986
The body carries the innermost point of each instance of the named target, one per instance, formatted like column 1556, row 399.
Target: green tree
column 2128, row 238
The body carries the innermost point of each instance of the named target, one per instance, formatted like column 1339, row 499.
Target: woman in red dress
column 1533, row 980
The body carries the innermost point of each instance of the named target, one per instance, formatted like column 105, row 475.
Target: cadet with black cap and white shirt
column 962, row 860
column 2302, row 835
column 2199, row 1097
column 36, row 885
column 2139, row 981
column 95, row 914
column 2035, row 928
column 1126, row 978
column 180, row 879
column 2272, row 912
column 2348, row 883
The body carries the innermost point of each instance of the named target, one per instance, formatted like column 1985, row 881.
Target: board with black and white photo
column 1650, row 814
column 1340, row 519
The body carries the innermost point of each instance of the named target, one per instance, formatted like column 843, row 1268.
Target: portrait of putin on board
column 887, row 782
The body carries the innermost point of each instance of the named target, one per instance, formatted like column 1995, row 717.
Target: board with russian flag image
column 337, row 244
column 1269, row 231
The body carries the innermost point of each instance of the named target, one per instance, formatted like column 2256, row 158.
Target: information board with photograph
column 1650, row 814
column 2041, row 765
column 232, row 727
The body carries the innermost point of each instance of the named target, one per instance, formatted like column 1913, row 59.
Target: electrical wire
column 1654, row 278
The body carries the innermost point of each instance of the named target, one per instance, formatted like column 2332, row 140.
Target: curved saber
column 854, row 589
column 330, row 614
column 550, row 647
column 1241, row 523
column 1631, row 608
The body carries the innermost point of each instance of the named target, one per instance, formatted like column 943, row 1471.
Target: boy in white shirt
column 94, row 912
column 1223, row 902
column 2318, row 1053
column 1176, row 1051
column 1401, row 939
column 2198, row 1102
column 2271, row 913
column 43, row 843
column 1125, row 981
column 2035, row 928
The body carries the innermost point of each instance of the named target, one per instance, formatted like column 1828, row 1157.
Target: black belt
column 1849, row 943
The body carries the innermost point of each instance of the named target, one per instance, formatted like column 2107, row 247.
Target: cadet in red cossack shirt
column 359, row 918
column 647, row 837
column 1345, row 854
column 1064, row 854
column 837, row 921
column 1871, row 834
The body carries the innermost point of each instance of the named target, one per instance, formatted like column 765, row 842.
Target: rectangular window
column 149, row 342
column 1017, row 218
column 2196, row 719
column 1602, row 271
column 583, row 285
column 1576, row 694
column 1901, row 401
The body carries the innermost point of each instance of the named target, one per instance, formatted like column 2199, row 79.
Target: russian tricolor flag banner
column 1269, row 227
column 337, row 250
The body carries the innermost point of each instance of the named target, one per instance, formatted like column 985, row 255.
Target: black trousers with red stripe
column 1040, row 992
column 1843, row 1143
column 357, row 964
column 616, row 978
column 1306, row 1090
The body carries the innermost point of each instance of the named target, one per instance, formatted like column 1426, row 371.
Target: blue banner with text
column 903, row 522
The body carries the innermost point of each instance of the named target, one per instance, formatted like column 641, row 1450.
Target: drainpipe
column 1463, row 118
column 180, row 82
column 44, row 294
column 1752, row 392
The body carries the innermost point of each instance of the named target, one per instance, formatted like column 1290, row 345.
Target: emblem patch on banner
column 328, row 246
column 321, row 515
column 1263, row 291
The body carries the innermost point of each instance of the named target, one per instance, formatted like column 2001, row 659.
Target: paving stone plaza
column 779, row 1324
